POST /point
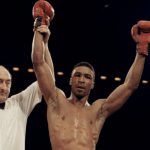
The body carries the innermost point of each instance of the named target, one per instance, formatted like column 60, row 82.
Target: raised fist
column 141, row 34
column 43, row 13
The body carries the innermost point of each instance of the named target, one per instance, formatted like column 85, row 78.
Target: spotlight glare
column 15, row 69
column 144, row 81
column 60, row 73
column 117, row 79
column 30, row 70
column 103, row 77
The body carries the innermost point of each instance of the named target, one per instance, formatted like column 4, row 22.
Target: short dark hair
column 86, row 64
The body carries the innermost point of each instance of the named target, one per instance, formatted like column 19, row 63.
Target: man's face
column 82, row 81
column 5, row 84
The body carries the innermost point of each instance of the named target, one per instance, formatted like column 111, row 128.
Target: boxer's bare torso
column 73, row 126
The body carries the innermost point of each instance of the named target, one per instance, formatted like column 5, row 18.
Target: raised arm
column 47, row 54
column 42, row 62
column 121, row 94
column 43, row 13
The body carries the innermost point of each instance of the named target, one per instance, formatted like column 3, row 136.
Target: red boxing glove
column 141, row 35
column 43, row 13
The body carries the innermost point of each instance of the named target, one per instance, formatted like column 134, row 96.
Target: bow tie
column 2, row 105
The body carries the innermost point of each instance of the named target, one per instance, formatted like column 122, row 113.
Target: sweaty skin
column 73, row 123
column 73, row 127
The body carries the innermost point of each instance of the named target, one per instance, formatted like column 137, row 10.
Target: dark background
column 97, row 31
